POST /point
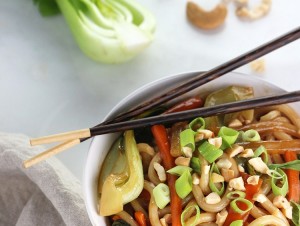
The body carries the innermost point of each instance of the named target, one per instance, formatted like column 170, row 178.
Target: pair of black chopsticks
column 122, row 122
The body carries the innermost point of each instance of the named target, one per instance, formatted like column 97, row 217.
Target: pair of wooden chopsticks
column 122, row 122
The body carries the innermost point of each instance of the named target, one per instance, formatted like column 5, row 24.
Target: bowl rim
column 142, row 90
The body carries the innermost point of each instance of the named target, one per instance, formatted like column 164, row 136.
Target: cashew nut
column 257, row 12
column 206, row 19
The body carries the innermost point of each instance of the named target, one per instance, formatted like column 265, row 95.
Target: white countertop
column 48, row 86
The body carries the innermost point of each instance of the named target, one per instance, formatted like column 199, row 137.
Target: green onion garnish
column 213, row 187
column 196, row 124
column 262, row 151
column 228, row 135
column 237, row 223
column 296, row 213
column 183, row 184
column 195, row 164
column 187, row 139
column 161, row 194
column 234, row 206
column 251, row 135
column 234, row 194
column 210, row 152
column 196, row 207
column 179, row 170
column 279, row 174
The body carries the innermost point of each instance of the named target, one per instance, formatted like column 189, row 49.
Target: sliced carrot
column 140, row 218
column 161, row 138
column 293, row 178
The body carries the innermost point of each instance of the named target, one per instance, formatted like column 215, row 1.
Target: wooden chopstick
column 165, row 118
column 193, row 83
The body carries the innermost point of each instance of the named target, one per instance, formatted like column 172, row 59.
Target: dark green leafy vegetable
column 120, row 222
column 294, row 165
column 47, row 7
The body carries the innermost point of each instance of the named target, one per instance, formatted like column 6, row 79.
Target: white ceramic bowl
column 101, row 144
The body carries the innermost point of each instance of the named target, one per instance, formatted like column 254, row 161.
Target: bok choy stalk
column 108, row 31
column 115, row 192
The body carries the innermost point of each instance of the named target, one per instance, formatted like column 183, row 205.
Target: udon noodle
column 233, row 188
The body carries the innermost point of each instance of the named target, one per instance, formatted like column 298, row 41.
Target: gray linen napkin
column 45, row 194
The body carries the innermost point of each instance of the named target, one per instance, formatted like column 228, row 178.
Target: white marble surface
column 48, row 86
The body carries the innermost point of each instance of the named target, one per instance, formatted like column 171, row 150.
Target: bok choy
column 108, row 31
column 122, row 187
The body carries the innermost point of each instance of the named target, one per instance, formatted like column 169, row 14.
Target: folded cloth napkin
column 45, row 194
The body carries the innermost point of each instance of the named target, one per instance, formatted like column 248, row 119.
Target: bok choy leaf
column 108, row 31
column 116, row 192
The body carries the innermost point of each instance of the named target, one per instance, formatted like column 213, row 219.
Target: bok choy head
column 108, row 31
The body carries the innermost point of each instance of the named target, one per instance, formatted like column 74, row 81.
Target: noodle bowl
column 101, row 144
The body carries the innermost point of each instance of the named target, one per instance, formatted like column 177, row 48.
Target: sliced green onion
column 251, row 135
column 234, row 206
column 234, row 194
column 210, row 152
column 195, row 164
column 213, row 187
column 262, row 151
column 279, row 174
column 187, row 139
column 237, row 223
column 294, row 165
column 296, row 213
column 179, row 170
column 196, row 207
column 196, row 124
column 228, row 135
column 183, row 185
column 161, row 194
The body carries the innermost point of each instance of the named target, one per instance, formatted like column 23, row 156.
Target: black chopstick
column 121, row 121
column 210, row 75
column 206, row 77
column 201, row 112
column 161, row 119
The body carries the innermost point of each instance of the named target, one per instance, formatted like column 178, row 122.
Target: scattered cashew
column 257, row 12
column 206, row 19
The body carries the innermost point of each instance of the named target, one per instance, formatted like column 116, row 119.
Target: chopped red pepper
column 189, row 104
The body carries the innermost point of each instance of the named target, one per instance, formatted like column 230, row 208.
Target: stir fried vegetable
column 116, row 193
column 231, row 174
column 107, row 31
